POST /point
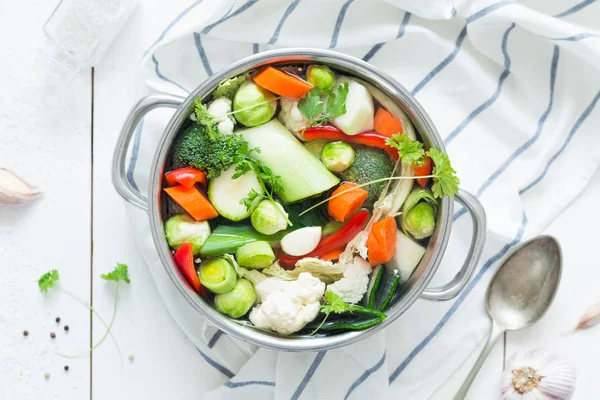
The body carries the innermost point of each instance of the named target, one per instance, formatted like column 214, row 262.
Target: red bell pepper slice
column 423, row 170
column 187, row 176
column 371, row 138
column 331, row 242
column 184, row 258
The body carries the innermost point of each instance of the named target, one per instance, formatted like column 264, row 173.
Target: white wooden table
column 61, row 136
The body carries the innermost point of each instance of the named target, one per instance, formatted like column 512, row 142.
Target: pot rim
column 399, row 95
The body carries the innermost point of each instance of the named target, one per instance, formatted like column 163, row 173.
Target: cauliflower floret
column 287, row 306
column 352, row 287
column 219, row 108
column 291, row 116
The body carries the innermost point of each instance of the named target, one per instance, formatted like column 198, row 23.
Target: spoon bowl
column 525, row 285
column 520, row 293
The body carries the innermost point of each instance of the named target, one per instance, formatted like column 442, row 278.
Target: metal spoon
column 520, row 293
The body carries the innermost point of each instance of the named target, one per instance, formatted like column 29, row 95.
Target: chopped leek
column 217, row 275
column 255, row 255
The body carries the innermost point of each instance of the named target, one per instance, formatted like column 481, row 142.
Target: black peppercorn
column 25, row 333
column 52, row 335
column 66, row 327
column 57, row 320
column 66, row 367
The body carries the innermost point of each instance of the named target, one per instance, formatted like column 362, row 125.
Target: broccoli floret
column 196, row 148
column 369, row 164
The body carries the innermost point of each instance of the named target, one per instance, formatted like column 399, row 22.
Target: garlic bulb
column 14, row 191
column 538, row 375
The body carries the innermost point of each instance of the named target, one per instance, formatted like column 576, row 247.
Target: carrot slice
column 386, row 124
column 343, row 206
column 422, row 170
column 333, row 254
column 381, row 243
column 282, row 83
column 192, row 201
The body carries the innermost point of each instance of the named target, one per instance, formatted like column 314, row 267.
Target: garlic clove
column 538, row 374
column 14, row 191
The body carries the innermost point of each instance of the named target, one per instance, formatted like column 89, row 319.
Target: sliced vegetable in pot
column 382, row 241
column 407, row 256
column 255, row 255
column 348, row 198
column 217, row 275
column 192, row 201
column 281, row 83
column 184, row 258
column 419, row 214
column 238, row 301
column 386, row 124
column 227, row 193
column 301, row 241
column 359, row 109
column 228, row 238
column 422, row 170
column 181, row 229
column 383, row 286
column 337, row 156
column 187, row 177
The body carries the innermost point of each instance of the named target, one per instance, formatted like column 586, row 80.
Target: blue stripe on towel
column 233, row 385
column 460, row 300
column 214, row 339
column 254, row 48
column 486, row 10
column 444, row 63
column 529, row 142
column 216, row 365
column 164, row 78
column 485, row 105
column 575, row 8
column 202, row 54
column 285, row 16
column 227, row 16
column 576, row 38
column 309, row 374
column 378, row 46
column 364, row 376
column 578, row 123
column 338, row 23
column 137, row 138
column 173, row 23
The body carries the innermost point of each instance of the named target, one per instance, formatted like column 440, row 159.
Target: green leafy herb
column 229, row 87
column 118, row 274
column 269, row 182
column 410, row 151
column 311, row 105
column 445, row 181
column 333, row 304
column 48, row 280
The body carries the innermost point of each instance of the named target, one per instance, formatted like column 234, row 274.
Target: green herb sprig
column 119, row 274
column 410, row 151
column 311, row 105
column 333, row 304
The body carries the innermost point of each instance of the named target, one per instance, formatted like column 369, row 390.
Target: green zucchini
column 228, row 238
column 226, row 193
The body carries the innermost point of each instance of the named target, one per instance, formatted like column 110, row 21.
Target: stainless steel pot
column 414, row 288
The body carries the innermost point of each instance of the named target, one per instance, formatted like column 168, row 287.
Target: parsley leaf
column 410, row 151
column 118, row 274
column 249, row 200
column 48, row 280
column 311, row 105
column 334, row 304
column 445, row 181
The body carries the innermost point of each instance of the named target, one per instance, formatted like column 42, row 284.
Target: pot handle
column 119, row 174
column 451, row 289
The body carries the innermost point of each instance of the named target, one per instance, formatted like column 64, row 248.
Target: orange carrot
column 333, row 254
column 421, row 170
column 192, row 201
column 386, row 124
column 343, row 206
column 381, row 243
column 282, row 83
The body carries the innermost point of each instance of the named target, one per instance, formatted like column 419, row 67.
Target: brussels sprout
column 238, row 301
column 316, row 146
column 253, row 105
column 267, row 218
column 255, row 255
column 182, row 228
column 320, row 76
column 217, row 275
column 337, row 156
column 418, row 214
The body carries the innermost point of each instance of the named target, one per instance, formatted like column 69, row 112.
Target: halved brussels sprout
column 337, row 156
column 253, row 105
column 419, row 214
column 182, row 228
column 217, row 275
column 267, row 218
column 238, row 301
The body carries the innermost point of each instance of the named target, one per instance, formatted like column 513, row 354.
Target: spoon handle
column 492, row 339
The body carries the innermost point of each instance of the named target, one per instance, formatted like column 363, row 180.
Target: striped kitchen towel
column 513, row 89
